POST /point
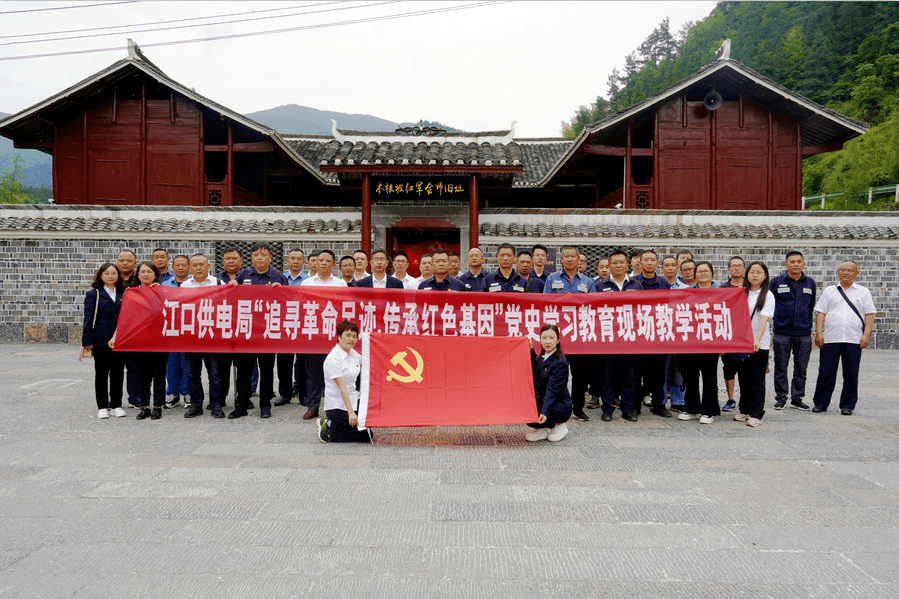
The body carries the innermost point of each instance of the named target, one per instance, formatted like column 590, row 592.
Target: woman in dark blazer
column 551, row 388
column 109, row 366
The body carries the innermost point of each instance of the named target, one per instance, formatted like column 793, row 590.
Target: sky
column 478, row 68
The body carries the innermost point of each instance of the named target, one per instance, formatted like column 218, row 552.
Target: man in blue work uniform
column 523, row 266
column 651, row 366
column 618, row 372
column 473, row 280
column 291, row 367
column 569, row 280
column 505, row 279
column 539, row 254
column 441, row 281
column 794, row 304
column 260, row 274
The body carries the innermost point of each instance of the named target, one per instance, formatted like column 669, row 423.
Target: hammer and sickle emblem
column 413, row 373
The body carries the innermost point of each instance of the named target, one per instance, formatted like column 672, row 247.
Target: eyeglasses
column 847, row 270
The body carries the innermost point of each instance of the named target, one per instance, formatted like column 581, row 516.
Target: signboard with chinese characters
column 290, row 319
column 410, row 189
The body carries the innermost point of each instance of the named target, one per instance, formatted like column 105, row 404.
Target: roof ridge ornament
column 418, row 130
column 723, row 52
column 403, row 136
column 134, row 53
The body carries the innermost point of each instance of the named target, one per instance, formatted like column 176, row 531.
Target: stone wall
column 50, row 254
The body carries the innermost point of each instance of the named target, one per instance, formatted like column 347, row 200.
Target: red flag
column 413, row 380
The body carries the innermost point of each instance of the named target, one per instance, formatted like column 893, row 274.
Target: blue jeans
column 194, row 377
column 801, row 348
column 176, row 375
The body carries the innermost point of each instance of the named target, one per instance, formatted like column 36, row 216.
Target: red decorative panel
column 670, row 112
column 785, row 183
column 742, row 182
column 114, row 175
column 684, row 182
column 680, row 138
column 172, row 177
column 70, row 162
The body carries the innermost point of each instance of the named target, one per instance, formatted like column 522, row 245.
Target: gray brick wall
column 878, row 267
column 43, row 281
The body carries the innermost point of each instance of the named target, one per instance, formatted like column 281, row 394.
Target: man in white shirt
column 315, row 363
column 360, row 257
column 347, row 269
column 199, row 268
column 845, row 317
column 426, row 266
column 400, row 266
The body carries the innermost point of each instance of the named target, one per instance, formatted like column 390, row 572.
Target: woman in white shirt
column 751, row 370
column 342, row 369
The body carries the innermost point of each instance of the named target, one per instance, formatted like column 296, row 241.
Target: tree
column 12, row 183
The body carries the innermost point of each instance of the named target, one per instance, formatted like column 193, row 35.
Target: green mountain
column 292, row 118
column 40, row 165
column 844, row 55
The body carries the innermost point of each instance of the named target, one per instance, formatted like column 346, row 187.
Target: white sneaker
column 558, row 433
column 685, row 416
column 118, row 413
column 754, row 422
column 647, row 401
column 706, row 420
column 103, row 414
column 538, row 435
column 741, row 417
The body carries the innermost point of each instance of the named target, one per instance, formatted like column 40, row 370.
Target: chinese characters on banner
column 285, row 319
column 404, row 188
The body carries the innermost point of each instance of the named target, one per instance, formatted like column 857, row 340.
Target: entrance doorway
column 419, row 241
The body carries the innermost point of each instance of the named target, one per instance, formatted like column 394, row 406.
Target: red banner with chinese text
column 294, row 319
column 413, row 380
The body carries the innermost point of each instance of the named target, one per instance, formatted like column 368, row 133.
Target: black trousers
column 850, row 355
column 552, row 419
column 751, row 375
column 705, row 365
column 342, row 432
column 580, row 378
column 291, row 376
column 151, row 368
column 652, row 368
column 315, row 380
column 244, row 364
column 618, row 376
column 109, row 372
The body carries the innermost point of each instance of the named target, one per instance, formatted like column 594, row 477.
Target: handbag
column 89, row 353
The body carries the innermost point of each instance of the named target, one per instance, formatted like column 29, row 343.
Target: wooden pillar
column 230, row 178
column 201, row 161
column 713, row 167
column 473, row 209
column 366, row 213
column 799, row 167
column 55, row 163
column 771, row 151
column 656, row 200
column 143, row 143
column 87, row 161
column 627, row 167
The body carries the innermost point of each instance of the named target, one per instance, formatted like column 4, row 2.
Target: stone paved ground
column 805, row 506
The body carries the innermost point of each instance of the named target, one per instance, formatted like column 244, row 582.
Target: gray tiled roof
column 355, row 132
column 535, row 156
column 538, row 156
column 683, row 231
column 421, row 152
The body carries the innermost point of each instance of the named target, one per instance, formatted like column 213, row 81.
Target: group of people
column 842, row 318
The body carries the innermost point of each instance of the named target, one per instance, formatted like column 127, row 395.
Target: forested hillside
column 844, row 55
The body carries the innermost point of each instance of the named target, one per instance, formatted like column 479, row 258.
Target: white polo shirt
column 209, row 282
column 840, row 324
column 316, row 281
column 341, row 364
column 410, row 282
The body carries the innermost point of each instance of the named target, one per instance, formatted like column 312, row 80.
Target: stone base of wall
column 40, row 333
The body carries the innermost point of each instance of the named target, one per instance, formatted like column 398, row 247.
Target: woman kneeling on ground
column 342, row 369
column 551, row 388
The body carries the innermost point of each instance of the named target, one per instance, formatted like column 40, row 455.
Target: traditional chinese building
column 724, row 138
